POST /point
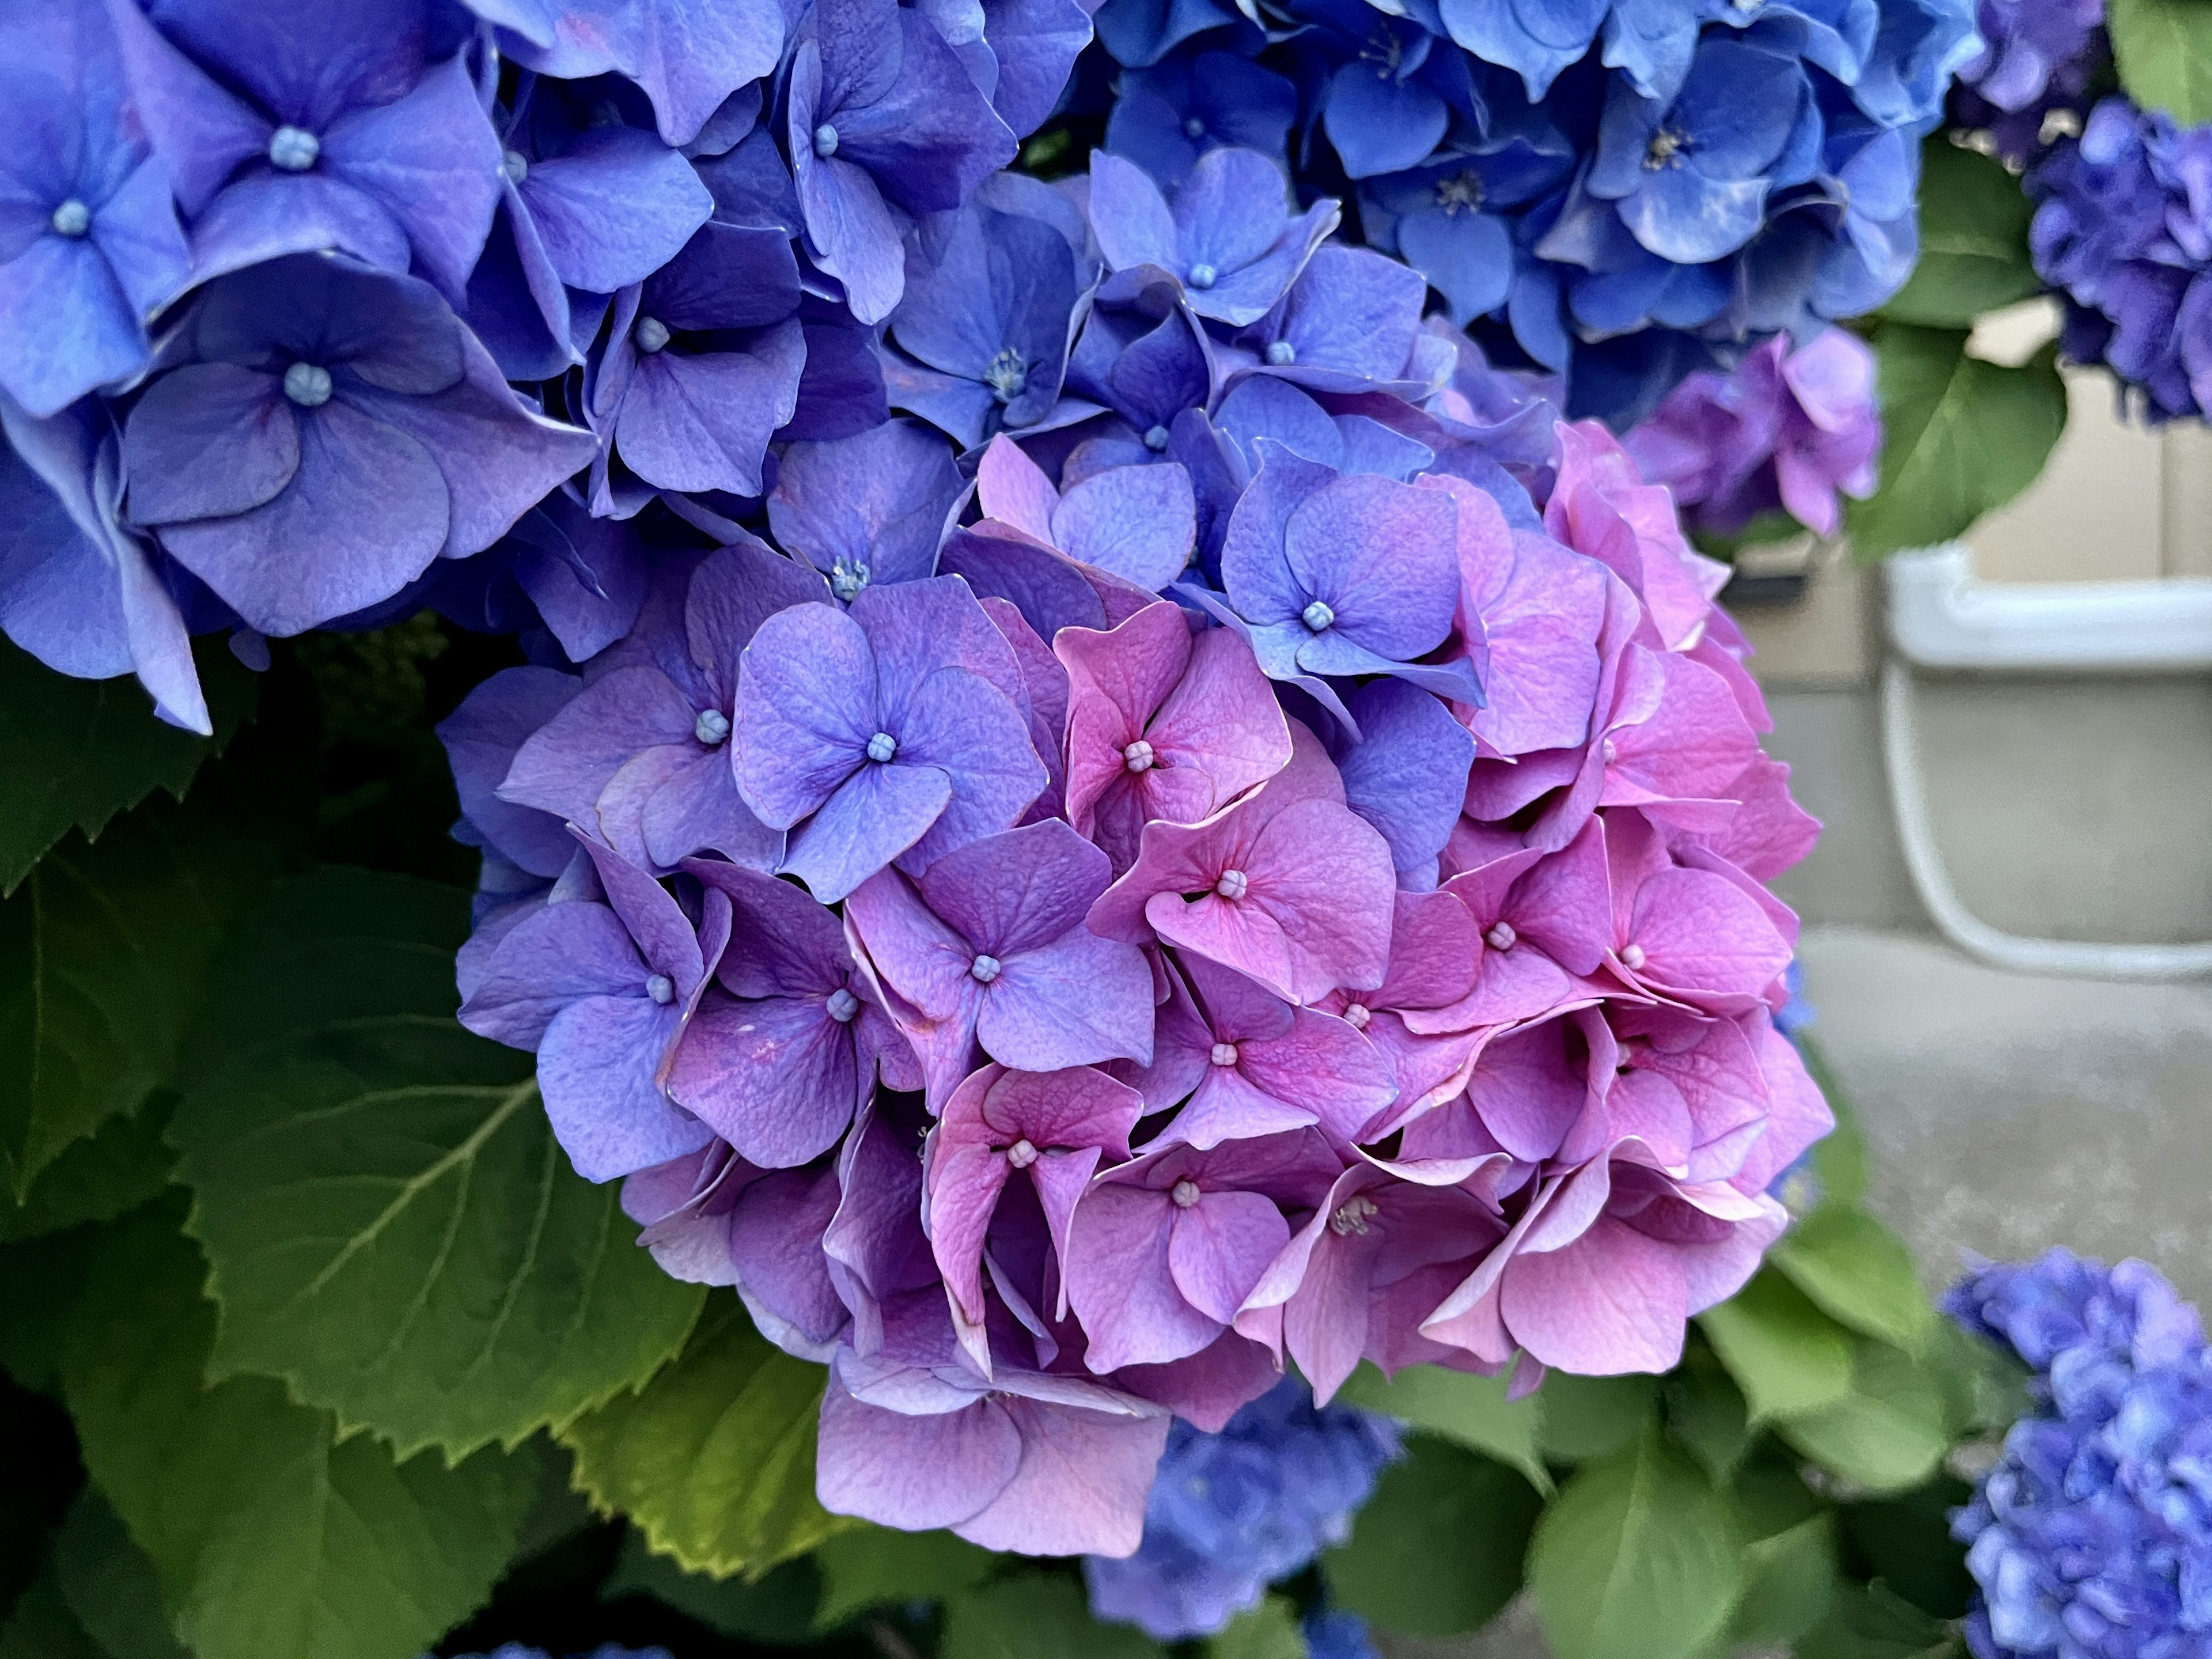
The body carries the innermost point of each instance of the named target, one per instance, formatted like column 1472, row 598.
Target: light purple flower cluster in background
column 1272, row 873
column 2037, row 57
column 1787, row 431
column 2092, row 1537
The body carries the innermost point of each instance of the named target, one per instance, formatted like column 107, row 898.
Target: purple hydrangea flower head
column 1406, row 774
column 481, row 737
column 1231, row 1513
column 1196, row 101
column 79, row 589
column 866, row 509
column 1230, row 239
column 990, row 946
column 593, row 207
column 89, row 244
column 885, row 124
column 1351, row 322
column 1149, row 370
column 880, row 734
column 687, row 55
column 319, row 432
column 1786, row 431
column 582, row 580
column 642, row 758
column 788, row 1042
column 1135, row 525
column 325, row 125
column 988, row 325
column 602, row 992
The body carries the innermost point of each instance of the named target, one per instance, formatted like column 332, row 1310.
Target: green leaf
column 1791, row 1584
column 1637, row 1557
column 109, row 1585
column 1437, row 1549
column 273, row 1537
column 1985, row 1388
column 1906, row 1542
column 1269, row 1630
column 1459, row 1405
column 103, row 957
column 1888, row 1433
column 1839, row 1161
column 2163, row 49
column 74, row 753
column 1031, row 1615
column 1869, row 1622
column 1973, row 239
column 1962, row 437
column 1589, row 1416
column 119, row 1166
column 1706, row 1411
column 778, row 1609
column 1858, row 1272
column 32, row 1327
column 713, row 1458
column 876, row 1566
column 41, row 1626
column 1784, row 1353
column 393, row 1229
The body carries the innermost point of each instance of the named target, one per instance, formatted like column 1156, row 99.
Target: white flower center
column 842, row 1005
column 1351, row 1215
column 661, row 989
column 1021, row 1154
column 1225, row 1053
column 307, row 385
column 294, row 149
column 1502, row 937
column 1233, row 884
column 1185, row 1193
column 985, row 968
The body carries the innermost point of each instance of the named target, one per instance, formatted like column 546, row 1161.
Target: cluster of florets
column 2092, row 1537
column 267, row 271
column 1231, row 1513
column 1283, row 887
column 2123, row 228
column 1620, row 192
column 1786, row 431
column 2037, row 60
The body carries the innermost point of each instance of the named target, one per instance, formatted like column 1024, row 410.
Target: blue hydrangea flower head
column 1232, row 1512
column 2092, row 1537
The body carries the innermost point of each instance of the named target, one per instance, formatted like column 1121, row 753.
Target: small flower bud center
column 848, row 577
column 1225, row 1053
column 1233, row 884
column 661, row 989
column 1318, row 617
column 650, row 335
column 294, row 149
column 1281, row 353
column 1021, row 1154
column 1357, row 1014
column 842, row 1005
column 1352, row 1217
column 1203, row 275
column 1632, row 957
column 1185, row 1193
column 1193, row 127
column 1138, row 756
column 711, row 727
column 1610, row 751
column 825, row 141
column 71, row 218
column 1502, row 937
column 985, row 968
column 1156, row 438
column 307, row 385
column 1008, row 375
column 515, row 165
column 882, row 747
